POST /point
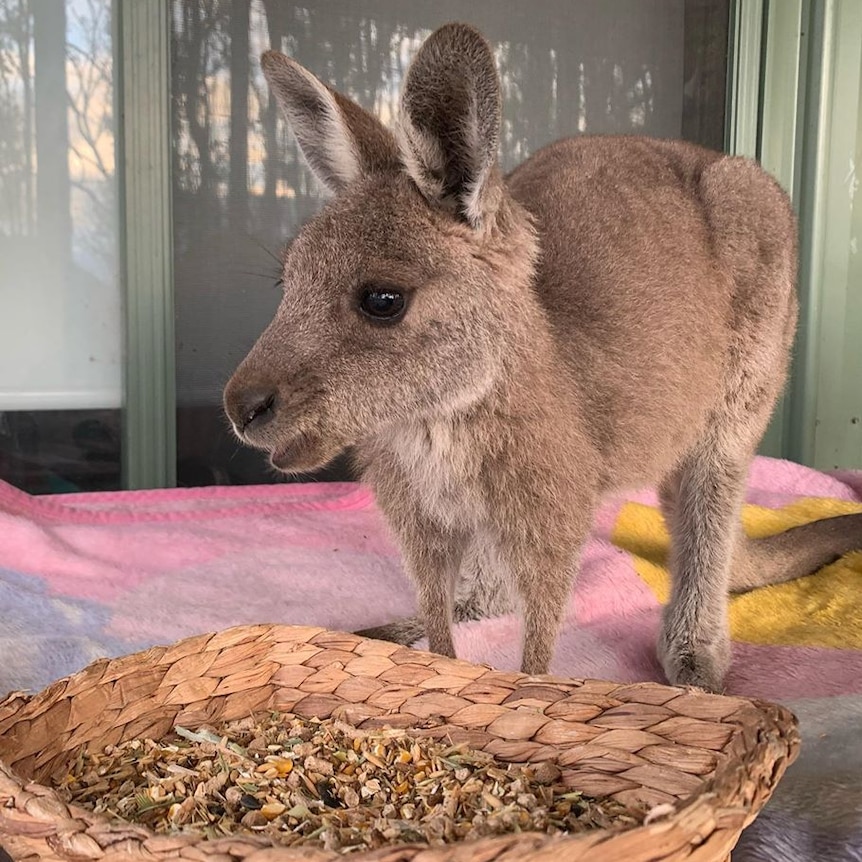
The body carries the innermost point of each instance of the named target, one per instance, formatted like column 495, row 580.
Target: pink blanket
column 82, row 576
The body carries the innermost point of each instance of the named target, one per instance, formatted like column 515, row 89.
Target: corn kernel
column 272, row 809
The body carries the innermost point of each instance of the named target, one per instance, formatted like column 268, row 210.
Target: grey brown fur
column 616, row 312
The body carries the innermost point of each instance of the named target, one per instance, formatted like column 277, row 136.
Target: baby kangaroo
column 501, row 352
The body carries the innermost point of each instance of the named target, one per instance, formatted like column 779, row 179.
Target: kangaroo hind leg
column 701, row 504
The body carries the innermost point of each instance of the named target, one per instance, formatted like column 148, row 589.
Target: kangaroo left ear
column 449, row 127
column 340, row 141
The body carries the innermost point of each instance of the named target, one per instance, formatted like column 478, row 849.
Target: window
column 240, row 188
column 60, row 303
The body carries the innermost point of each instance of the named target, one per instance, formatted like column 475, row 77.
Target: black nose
column 253, row 409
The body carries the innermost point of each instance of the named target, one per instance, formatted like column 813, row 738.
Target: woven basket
column 715, row 759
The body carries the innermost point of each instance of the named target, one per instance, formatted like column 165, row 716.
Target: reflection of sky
column 89, row 80
column 79, row 13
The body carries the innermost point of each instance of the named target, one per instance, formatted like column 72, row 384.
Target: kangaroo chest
column 440, row 466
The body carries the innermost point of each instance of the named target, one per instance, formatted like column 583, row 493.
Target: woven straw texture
column 716, row 760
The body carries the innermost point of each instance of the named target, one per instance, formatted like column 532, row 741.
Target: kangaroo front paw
column 699, row 663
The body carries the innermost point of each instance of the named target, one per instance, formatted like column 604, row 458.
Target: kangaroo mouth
column 302, row 452
column 289, row 451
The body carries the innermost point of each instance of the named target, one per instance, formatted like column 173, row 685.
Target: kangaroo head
column 401, row 295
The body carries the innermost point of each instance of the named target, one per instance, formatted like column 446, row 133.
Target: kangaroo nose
column 252, row 408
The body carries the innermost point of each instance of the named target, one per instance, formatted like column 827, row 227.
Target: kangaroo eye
column 382, row 303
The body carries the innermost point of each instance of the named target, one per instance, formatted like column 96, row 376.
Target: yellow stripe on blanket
column 822, row 611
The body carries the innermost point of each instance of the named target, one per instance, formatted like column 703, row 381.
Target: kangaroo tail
column 408, row 630
column 404, row 631
column 794, row 553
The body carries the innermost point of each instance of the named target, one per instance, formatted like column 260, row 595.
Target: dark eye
column 382, row 303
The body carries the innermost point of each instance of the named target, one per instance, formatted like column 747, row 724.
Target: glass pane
column 60, row 326
column 654, row 67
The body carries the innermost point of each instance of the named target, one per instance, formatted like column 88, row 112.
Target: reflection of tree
column 53, row 191
column 228, row 141
column 239, row 74
column 89, row 71
column 33, row 132
column 17, row 189
column 200, row 48
column 54, row 53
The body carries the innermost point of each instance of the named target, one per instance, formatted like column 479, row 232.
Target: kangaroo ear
column 340, row 141
column 449, row 127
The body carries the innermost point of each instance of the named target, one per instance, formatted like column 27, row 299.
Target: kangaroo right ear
column 340, row 141
column 450, row 123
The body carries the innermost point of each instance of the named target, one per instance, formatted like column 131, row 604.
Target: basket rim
column 764, row 734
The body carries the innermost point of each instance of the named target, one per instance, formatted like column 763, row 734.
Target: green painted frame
column 810, row 138
column 142, row 37
column 784, row 72
column 828, row 430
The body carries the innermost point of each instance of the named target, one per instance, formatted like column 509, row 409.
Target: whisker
column 271, row 253
column 276, row 279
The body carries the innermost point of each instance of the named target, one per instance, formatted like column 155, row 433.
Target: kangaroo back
column 671, row 239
